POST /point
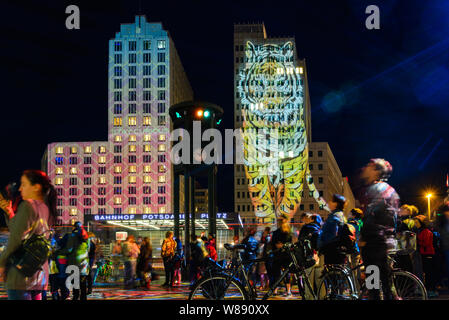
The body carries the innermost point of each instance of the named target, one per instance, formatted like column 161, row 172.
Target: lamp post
column 428, row 196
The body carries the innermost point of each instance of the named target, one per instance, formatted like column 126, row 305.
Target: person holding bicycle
column 380, row 204
column 329, row 240
column 250, row 252
column 280, row 259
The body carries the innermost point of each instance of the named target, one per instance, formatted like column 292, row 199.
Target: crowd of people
column 367, row 235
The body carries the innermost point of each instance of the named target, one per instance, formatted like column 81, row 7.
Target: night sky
column 374, row 93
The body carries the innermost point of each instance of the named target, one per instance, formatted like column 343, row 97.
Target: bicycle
column 223, row 283
column 341, row 283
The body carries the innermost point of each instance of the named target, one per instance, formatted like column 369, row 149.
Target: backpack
column 347, row 238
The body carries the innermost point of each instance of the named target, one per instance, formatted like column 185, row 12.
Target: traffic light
column 178, row 115
column 206, row 114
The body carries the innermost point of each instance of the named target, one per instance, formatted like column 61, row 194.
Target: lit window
column 161, row 44
column 73, row 212
column 59, row 150
column 147, row 137
column 161, row 147
column 161, row 179
column 132, row 210
column 132, row 148
column 161, row 209
column 132, row 179
column 102, row 159
column 118, row 138
column 88, row 149
column 117, row 169
column 59, row 171
column 59, row 181
column 102, row 180
column 147, row 148
column 132, row 138
column 73, row 150
column 117, row 122
column 162, row 137
column 117, row 200
column 102, row 149
column 146, row 169
column 72, row 170
column 132, row 121
column 132, row 169
column 146, row 179
column 162, row 168
column 147, row 121
column 147, row 210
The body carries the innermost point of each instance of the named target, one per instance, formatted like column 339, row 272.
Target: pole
column 176, row 205
column 192, row 203
column 428, row 206
column 186, row 220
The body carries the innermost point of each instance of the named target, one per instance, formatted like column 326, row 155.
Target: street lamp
column 428, row 196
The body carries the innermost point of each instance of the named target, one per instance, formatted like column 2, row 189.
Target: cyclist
column 329, row 240
column 380, row 203
column 280, row 259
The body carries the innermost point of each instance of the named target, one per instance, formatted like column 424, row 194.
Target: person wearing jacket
column 144, row 267
column 92, row 256
column 35, row 215
column 178, row 262
column 427, row 251
column 329, row 240
column 130, row 253
column 279, row 259
column 250, row 252
column 311, row 228
column 168, row 253
column 442, row 226
column 380, row 204
column 77, row 252
column 211, row 247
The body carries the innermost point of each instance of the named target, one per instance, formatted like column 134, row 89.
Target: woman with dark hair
column 35, row 215
column 328, row 240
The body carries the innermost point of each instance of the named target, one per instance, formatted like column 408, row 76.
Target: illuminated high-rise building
column 283, row 170
column 130, row 173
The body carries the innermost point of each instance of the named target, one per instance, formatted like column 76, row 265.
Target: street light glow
column 429, row 195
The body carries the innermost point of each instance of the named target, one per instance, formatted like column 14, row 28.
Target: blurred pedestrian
column 144, row 266
column 178, row 262
column 264, row 268
column 130, row 251
column 116, row 259
column 35, row 215
column 168, row 253
column 279, row 259
column 92, row 255
column 427, row 250
column 442, row 225
column 77, row 252
column 250, row 253
column 211, row 246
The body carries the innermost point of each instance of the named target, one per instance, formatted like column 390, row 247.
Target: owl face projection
column 275, row 141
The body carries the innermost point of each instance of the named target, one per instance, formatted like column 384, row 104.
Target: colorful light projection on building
column 274, row 132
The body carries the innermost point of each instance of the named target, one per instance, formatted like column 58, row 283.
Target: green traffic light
column 206, row 114
column 178, row 115
column 219, row 121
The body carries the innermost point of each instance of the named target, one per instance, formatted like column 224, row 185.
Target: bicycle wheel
column 214, row 288
column 408, row 286
column 335, row 285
